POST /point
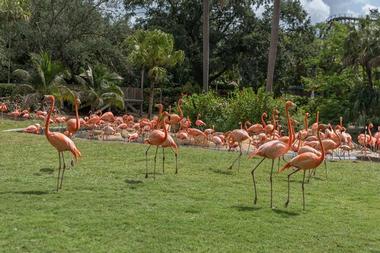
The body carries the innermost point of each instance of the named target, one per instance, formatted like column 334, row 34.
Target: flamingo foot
column 286, row 203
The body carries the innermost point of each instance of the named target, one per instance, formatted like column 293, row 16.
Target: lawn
column 107, row 205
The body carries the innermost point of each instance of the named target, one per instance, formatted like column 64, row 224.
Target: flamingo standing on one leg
column 61, row 142
column 305, row 161
column 272, row 150
column 73, row 125
column 156, row 138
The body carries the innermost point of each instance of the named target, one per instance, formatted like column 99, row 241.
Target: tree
column 153, row 50
column 273, row 45
column 206, row 44
column 100, row 88
column 13, row 11
column 46, row 77
column 362, row 47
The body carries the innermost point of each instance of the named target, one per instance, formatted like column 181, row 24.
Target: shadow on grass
column 47, row 170
column 223, row 172
column 27, row 192
column 285, row 213
column 133, row 181
column 243, row 208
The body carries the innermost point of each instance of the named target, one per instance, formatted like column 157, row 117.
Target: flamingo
column 73, row 125
column 60, row 142
column 169, row 143
column 237, row 135
column 199, row 122
column 305, row 161
column 156, row 138
column 175, row 118
column 33, row 129
column 272, row 150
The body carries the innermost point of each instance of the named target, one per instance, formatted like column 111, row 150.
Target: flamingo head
column 307, row 115
column 264, row 115
column 370, row 125
column 289, row 104
column 77, row 100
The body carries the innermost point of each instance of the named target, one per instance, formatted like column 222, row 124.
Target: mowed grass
column 107, row 205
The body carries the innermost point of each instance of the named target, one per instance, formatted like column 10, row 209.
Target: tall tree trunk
column 9, row 48
column 151, row 97
column 206, row 44
column 273, row 45
column 142, row 90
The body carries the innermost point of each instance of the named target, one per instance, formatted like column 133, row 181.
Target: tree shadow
column 222, row 172
column 243, row 208
column 285, row 213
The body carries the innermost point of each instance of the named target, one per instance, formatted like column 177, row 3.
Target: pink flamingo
column 33, row 129
column 60, row 142
column 73, row 125
column 237, row 135
column 305, row 161
column 156, row 138
column 169, row 143
column 272, row 150
column 199, row 122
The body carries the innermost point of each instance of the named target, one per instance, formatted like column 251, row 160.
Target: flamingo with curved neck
column 304, row 161
column 60, row 142
column 273, row 150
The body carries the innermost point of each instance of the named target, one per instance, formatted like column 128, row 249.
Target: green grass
column 108, row 206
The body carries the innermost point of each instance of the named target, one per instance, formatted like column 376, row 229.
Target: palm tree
column 153, row 50
column 206, row 44
column 46, row 77
column 273, row 45
column 100, row 88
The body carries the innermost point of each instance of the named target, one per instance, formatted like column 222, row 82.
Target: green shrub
column 241, row 105
column 6, row 89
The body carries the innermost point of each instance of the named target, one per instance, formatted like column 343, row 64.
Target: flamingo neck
column 77, row 116
column 317, row 118
column 179, row 108
column 369, row 131
column 341, row 121
column 306, row 123
column 290, row 130
column 262, row 120
column 339, row 141
column 47, row 123
column 322, row 157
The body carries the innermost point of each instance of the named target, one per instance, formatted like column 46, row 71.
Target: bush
column 6, row 89
column 241, row 105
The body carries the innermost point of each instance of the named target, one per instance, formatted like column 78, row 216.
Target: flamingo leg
column 63, row 170
column 287, row 202
column 325, row 168
column 278, row 165
column 59, row 170
column 146, row 161
column 271, row 184
column 155, row 160
column 249, row 145
column 176, row 161
column 163, row 160
column 237, row 158
column 303, row 190
column 254, row 181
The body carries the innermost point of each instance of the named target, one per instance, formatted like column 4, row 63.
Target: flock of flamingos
column 311, row 145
